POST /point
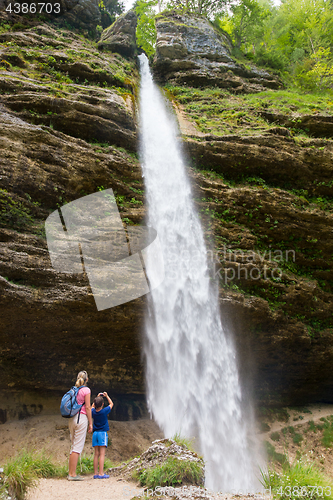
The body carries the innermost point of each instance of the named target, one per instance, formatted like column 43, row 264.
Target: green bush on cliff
column 13, row 213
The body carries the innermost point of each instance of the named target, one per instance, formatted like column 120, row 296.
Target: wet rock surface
column 67, row 129
column 60, row 140
column 190, row 51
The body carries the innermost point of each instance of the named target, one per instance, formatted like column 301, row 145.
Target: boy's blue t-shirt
column 101, row 422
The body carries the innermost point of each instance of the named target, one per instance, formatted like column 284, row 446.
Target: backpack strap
column 78, row 417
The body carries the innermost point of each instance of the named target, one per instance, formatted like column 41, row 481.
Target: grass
column 220, row 112
column 22, row 471
column 301, row 479
column 87, row 464
column 173, row 472
column 184, row 442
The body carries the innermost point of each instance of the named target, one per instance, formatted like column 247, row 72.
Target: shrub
column 312, row 426
column 173, row 472
column 273, row 455
column 18, row 477
column 327, row 438
column 22, row 471
column 275, row 436
column 297, row 438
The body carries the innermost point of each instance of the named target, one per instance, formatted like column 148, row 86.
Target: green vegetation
column 273, row 455
column 173, row 472
column 301, row 479
column 13, row 212
column 184, row 442
column 86, row 466
column 146, row 31
column 275, row 436
column 22, row 471
column 297, row 438
column 312, row 426
column 110, row 9
column 219, row 112
column 58, row 70
column 327, row 428
column 294, row 38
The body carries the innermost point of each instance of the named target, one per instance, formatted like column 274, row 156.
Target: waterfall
column 192, row 379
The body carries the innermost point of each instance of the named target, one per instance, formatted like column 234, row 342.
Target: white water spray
column 191, row 373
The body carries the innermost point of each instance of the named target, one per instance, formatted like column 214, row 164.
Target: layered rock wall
column 190, row 51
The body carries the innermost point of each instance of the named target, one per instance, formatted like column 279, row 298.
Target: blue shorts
column 100, row 438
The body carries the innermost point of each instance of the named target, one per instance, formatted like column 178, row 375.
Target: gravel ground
column 101, row 489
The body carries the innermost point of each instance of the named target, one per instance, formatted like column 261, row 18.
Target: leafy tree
column 316, row 72
column 110, row 9
column 207, row 8
column 245, row 21
column 146, row 31
column 299, row 34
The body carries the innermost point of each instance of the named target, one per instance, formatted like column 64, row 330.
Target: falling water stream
column 192, row 379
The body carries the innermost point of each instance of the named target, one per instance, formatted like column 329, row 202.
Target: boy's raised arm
column 109, row 399
column 105, row 394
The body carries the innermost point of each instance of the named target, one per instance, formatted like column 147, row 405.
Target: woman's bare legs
column 73, row 459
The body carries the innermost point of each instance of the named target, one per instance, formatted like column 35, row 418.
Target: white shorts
column 78, row 432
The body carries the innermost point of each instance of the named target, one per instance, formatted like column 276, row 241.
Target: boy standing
column 100, row 437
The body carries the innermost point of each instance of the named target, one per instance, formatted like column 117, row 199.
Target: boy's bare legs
column 101, row 459
column 96, row 457
column 73, row 458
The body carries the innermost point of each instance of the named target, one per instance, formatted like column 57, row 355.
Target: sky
column 129, row 3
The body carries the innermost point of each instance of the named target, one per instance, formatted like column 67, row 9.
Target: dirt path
column 317, row 411
column 102, row 489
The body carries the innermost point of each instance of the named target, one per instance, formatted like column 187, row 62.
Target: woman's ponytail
column 82, row 378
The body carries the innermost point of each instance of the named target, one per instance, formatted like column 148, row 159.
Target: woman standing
column 78, row 425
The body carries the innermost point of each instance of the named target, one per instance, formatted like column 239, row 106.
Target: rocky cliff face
column 68, row 128
column 83, row 14
column 120, row 37
column 190, row 51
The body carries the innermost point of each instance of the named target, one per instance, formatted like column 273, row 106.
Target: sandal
column 105, row 476
column 75, row 478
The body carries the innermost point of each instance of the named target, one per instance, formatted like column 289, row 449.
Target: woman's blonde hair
column 82, row 378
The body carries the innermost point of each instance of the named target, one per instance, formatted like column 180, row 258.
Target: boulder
column 83, row 14
column 121, row 36
column 190, row 50
column 157, row 455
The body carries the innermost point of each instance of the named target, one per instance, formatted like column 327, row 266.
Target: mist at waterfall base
column 191, row 372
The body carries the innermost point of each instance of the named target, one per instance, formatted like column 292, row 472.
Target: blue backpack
column 69, row 405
